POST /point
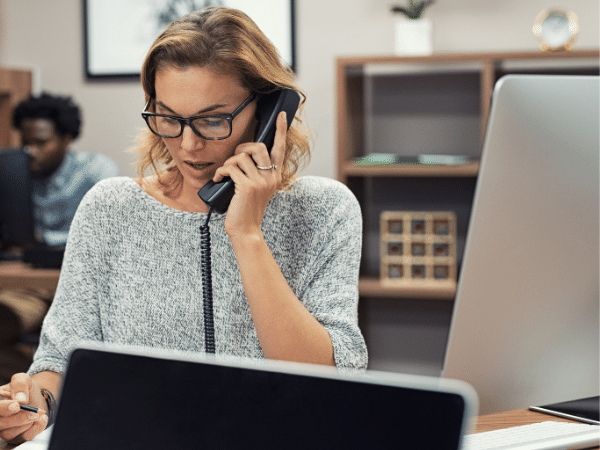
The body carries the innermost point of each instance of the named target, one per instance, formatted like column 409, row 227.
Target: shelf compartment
column 422, row 113
column 394, row 193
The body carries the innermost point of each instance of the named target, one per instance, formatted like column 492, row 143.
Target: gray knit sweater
column 132, row 273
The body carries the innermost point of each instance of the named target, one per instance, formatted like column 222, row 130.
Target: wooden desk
column 15, row 274
column 489, row 422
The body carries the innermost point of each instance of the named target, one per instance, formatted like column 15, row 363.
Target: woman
column 285, row 255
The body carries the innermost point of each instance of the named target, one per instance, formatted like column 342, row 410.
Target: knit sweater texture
column 131, row 274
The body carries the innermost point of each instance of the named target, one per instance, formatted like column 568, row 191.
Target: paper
column 40, row 442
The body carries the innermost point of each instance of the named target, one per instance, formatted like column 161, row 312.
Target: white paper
column 40, row 442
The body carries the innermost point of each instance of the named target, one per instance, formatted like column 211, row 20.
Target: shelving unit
column 407, row 106
column 436, row 104
column 15, row 85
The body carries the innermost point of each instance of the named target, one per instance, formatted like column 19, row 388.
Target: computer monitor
column 16, row 206
column 524, row 330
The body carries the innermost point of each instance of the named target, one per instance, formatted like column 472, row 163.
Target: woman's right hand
column 17, row 425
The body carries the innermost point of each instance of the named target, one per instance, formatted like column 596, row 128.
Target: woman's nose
column 190, row 140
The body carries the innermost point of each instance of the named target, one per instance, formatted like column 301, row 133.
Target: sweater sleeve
column 74, row 314
column 331, row 292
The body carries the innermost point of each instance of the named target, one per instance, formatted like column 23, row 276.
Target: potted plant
column 413, row 9
column 413, row 32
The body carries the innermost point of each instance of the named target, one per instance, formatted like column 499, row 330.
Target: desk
column 489, row 422
column 14, row 274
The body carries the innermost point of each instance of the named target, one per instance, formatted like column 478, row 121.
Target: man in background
column 48, row 125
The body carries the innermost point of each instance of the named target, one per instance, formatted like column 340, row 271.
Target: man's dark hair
column 61, row 111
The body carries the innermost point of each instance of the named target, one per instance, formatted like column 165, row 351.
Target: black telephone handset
column 219, row 195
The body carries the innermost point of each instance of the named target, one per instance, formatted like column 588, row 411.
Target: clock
column 556, row 29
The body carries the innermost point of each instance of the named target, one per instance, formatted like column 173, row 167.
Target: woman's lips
column 198, row 166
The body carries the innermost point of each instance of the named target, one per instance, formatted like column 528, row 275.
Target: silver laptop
column 525, row 325
column 138, row 400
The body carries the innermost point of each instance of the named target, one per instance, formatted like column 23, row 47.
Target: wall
column 48, row 36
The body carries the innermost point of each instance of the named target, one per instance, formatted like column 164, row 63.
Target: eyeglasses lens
column 212, row 127
column 208, row 127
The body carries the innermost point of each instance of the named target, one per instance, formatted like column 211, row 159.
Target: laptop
column 16, row 206
column 524, row 329
column 132, row 399
column 584, row 410
column 17, row 221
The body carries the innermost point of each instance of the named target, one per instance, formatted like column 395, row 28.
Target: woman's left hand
column 254, row 187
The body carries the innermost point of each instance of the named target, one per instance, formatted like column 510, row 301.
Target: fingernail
column 21, row 396
column 33, row 416
column 14, row 407
column 44, row 418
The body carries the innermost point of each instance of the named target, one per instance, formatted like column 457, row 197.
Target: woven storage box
column 418, row 248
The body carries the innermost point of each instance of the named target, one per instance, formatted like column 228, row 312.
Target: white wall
column 48, row 35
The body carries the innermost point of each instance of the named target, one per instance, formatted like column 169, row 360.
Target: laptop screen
column 122, row 400
column 16, row 207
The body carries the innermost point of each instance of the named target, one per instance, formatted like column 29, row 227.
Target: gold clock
column 557, row 29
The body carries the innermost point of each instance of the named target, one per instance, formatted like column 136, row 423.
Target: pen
column 29, row 408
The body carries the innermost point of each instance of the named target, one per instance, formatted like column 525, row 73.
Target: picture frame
column 119, row 33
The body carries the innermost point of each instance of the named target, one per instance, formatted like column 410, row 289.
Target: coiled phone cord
column 209, row 326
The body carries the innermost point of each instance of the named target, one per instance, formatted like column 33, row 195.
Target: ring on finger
column 272, row 166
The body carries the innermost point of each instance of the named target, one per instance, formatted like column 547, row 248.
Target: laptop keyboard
column 538, row 436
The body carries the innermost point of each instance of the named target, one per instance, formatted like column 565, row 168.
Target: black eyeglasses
column 211, row 127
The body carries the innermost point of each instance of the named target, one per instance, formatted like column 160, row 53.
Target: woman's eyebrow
column 201, row 112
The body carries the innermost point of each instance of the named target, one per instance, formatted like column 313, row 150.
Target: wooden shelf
column 470, row 169
column 488, row 66
column 372, row 287
column 493, row 57
column 436, row 104
column 15, row 86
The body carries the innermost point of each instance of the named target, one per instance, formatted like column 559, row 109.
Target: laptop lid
column 582, row 409
column 16, row 205
column 135, row 400
column 525, row 323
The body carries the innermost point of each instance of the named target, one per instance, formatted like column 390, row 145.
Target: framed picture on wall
column 118, row 33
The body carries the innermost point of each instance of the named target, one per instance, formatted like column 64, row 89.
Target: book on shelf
column 388, row 159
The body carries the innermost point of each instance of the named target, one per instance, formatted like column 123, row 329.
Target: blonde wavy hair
column 230, row 42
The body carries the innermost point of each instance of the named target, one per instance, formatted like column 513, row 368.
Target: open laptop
column 16, row 206
column 134, row 400
column 524, row 330
column 17, row 221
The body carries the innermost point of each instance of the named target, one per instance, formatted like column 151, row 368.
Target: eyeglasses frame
column 188, row 121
